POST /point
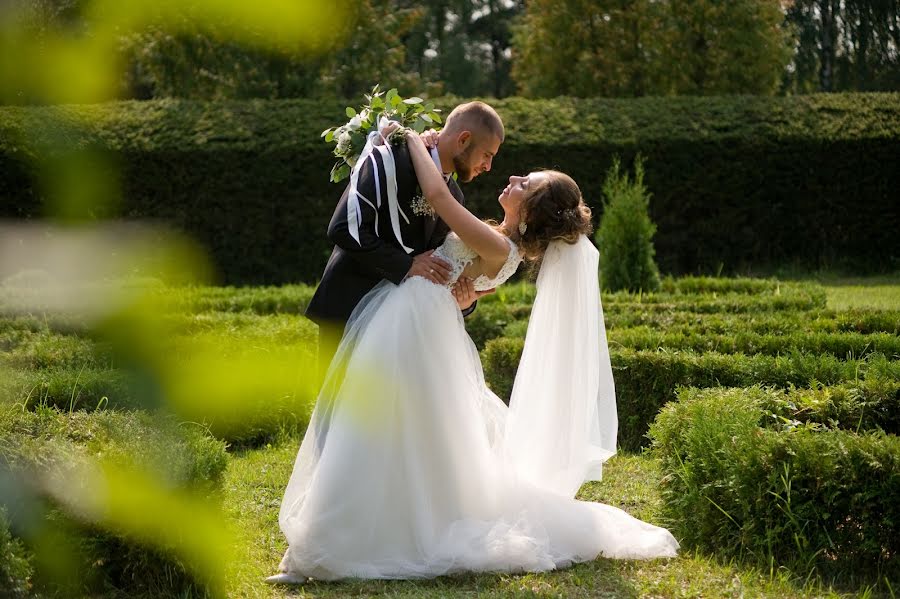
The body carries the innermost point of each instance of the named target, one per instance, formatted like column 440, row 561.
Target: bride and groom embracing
column 411, row 467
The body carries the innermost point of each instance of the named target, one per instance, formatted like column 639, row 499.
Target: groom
column 470, row 139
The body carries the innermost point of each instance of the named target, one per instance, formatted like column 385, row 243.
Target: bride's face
column 512, row 195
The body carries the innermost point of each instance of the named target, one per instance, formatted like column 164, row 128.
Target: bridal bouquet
column 350, row 138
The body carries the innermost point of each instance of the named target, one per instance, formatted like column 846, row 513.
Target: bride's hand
column 388, row 128
column 430, row 138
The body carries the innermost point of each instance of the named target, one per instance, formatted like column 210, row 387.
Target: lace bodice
column 459, row 255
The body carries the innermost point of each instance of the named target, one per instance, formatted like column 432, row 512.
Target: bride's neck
column 510, row 228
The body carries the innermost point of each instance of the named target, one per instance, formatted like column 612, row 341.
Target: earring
column 522, row 228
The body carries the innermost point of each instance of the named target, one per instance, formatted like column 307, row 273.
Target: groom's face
column 477, row 155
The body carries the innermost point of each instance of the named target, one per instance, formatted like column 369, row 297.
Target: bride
column 411, row 467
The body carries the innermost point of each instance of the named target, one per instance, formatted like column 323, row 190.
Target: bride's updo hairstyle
column 553, row 210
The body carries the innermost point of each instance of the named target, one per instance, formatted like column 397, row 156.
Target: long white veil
column 562, row 420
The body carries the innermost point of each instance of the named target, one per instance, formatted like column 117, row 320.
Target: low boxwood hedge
column 269, row 405
column 736, row 181
column 824, row 321
column 841, row 345
column 16, row 569
column 647, row 380
column 748, row 474
column 35, row 444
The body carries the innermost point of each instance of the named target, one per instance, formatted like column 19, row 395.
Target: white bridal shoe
column 285, row 578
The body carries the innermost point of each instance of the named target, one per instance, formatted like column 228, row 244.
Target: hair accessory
column 523, row 226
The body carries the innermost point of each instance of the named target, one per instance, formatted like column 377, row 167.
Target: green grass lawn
column 255, row 481
column 878, row 292
column 881, row 297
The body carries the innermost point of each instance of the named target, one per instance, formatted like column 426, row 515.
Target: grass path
column 879, row 292
column 256, row 479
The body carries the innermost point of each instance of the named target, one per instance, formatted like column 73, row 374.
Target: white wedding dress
column 411, row 467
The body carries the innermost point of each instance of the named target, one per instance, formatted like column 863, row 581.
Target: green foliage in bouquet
column 350, row 138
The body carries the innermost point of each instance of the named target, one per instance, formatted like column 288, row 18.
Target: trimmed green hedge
column 213, row 328
column 810, row 496
column 688, row 300
column 685, row 293
column 276, row 407
column 285, row 299
column 15, row 562
column 34, row 443
column 840, row 345
column 862, row 321
column 647, row 380
column 737, row 181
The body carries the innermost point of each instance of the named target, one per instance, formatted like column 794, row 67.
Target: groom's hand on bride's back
column 432, row 268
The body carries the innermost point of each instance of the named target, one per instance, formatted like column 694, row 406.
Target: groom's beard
column 461, row 165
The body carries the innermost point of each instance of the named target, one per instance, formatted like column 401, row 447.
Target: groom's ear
column 464, row 139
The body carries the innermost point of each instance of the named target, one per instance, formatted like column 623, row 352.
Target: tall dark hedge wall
column 737, row 182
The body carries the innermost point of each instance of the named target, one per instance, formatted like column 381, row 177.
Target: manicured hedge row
column 647, row 380
column 748, row 285
column 288, row 299
column 862, row 405
column 862, row 321
column 687, row 300
column 685, row 293
column 807, row 496
column 736, row 181
column 268, row 405
column 15, row 562
column 840, row 345
column 36, row 443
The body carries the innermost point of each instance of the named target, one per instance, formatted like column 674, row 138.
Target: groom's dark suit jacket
column 355, row 268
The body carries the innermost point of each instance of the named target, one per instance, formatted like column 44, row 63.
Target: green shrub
column 26, row 350
column 691, row 300
column 500, row 359
column 35, row 444
column 273, row 407
column 288, row 299
column 15, row 562
column 841, row 345
column 492, row 319
column 822, row 321
column 864, row 405
column 788, row 298
column 75, row 389
column 808, row 497
column 718, row 285
column 647, row 380
column 737, row 181
column 625, row 235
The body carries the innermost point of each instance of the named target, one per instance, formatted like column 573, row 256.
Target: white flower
column 355, row 123
column 343, row 142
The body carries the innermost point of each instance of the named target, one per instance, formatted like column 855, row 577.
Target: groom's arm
column 387, row 260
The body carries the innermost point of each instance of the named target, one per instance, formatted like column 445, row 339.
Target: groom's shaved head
column 477, row 117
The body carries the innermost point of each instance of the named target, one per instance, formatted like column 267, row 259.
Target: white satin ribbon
column 354, row 212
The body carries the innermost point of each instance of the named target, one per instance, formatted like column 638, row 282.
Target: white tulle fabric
column 409, row 468
column 562, row 419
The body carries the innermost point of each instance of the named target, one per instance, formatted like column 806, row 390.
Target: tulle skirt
column 402, row 473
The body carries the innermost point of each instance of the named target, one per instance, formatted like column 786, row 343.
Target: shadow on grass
column 600, row 578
